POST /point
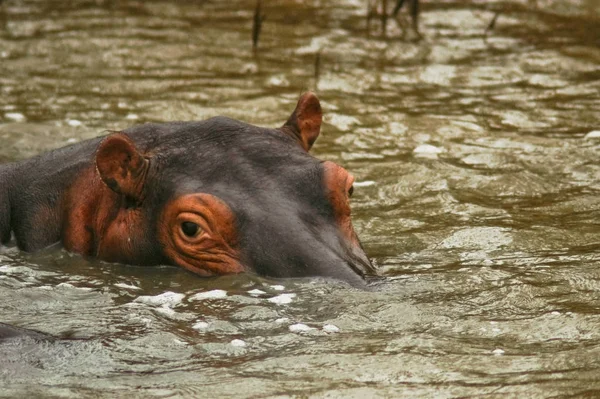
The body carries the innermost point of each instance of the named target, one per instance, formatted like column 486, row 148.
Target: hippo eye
column 350, row 191
column 189, row 229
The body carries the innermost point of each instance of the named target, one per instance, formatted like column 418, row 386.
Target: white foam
column 282, row 299
column 594, row 134
column 278, row 81
column 343, row 122
column 256, row 292
column 71, row 286
column 299, row 327
column 238, row 342
column 74, row 122
column 364, row 183
column 15, row 116
column 165, row 310
column 167, row 298
column 201, row 325
column 127, row 286
column 427, row 149
column 330, row 328
column 214, row 294
column 278, row 287
column 498, row 352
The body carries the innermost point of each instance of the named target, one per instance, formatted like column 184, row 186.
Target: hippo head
column 215, row 197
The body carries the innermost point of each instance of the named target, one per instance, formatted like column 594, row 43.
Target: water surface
column 477, row 197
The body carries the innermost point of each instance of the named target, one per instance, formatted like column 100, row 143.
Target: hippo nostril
column 362, row 267
column 189, row 229
column 360, row 263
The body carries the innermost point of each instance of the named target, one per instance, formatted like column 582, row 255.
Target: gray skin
column 284, row 220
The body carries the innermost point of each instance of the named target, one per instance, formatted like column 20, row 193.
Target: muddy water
column 478, row 198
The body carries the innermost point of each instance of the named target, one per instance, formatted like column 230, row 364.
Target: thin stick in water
column 492, row 23
column 259, row 17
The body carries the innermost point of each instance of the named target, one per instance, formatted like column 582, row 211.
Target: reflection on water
column 477, row 196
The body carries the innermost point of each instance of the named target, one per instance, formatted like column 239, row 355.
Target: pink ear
column 305, row 121
column 120, row 165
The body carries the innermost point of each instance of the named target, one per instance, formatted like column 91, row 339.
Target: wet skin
column 215, row 197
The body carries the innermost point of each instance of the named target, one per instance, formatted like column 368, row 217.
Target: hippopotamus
column 215, row 197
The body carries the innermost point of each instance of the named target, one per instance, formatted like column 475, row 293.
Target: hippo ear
column 121, row 166
column 305, row 122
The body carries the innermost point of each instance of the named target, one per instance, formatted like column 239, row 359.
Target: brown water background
column 477, row 196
